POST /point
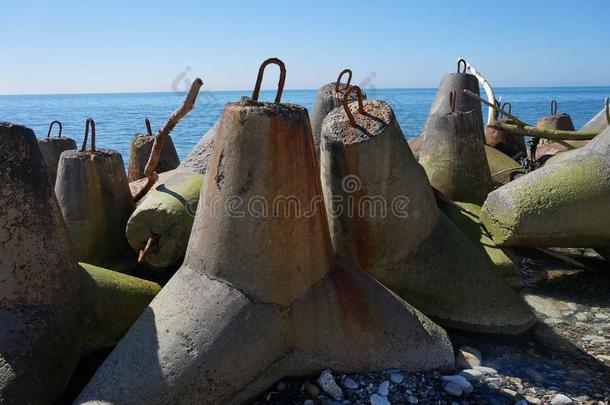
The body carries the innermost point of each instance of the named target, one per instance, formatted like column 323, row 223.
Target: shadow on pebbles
column 565, row 359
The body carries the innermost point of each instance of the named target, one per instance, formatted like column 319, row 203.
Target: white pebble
column 486, row 370
column 561, row 399
column 384, row 388
column 379, row 400
column 471, row 375
column 326, row 381
column 412, row 399
column 396, row 378
column 460, row 381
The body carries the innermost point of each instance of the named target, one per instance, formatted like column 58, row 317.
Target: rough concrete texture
column 453, row 156
column 327, row 99
column 466, row 217
column 111, row 302
column 458, row 82
column 259, row 296
column 415, row 144
column 411, row 247
column 507, row 143
column 561, row 121
column 167, row 211
column 598, row 122
column 39, row 280
column 563, row 204
column 139, row 152
column 95, row 201
column 503, row 169
column 198, row 160
column 51, row 149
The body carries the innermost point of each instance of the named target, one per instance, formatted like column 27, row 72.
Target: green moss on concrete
column 502, row 167
column 111, row 302
column 167, row 211
column 467, row 221
column 562, row 205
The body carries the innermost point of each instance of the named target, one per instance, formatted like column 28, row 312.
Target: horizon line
column 274, row 89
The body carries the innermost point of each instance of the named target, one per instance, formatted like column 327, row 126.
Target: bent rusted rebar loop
column 349, row 79
column 462, row 62
column 51, row 128
column 281, row 81
column 89, row 122
column 163, row 134
column 553, row 107
column 148, row 127
column 358, row 92
column 452, row 101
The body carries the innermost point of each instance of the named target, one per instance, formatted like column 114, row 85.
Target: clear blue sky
column 106, row 46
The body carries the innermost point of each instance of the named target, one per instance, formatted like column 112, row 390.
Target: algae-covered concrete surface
column 167, row 211
column 563, row 204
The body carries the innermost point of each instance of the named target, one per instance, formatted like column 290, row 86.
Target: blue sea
column 121, row 115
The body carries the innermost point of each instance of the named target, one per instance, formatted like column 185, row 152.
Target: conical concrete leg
column 39, row 280
column 395, row 231
column 259, row 296
column 563, row 204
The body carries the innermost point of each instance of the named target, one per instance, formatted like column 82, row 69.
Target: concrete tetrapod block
column 198, row 159
column 458, row 82
column 409, row 246
column 166, row 213
column 466, row 217
column 259, row 296
column 507, row 143
column 560, row 121
column 453, row 156
column 598, row 122
column 96, row 203
column 563, row 204
column 51, row 149
column 139, row 152
column 39, row 280
column 327, row 99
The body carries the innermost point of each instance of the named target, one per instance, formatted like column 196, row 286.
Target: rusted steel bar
column 163, row 134
column 148, row 127
column 51, row 127
column 358, row 92
column 152, row 239
column 259, row 79
column 349, row 79
column 89, row 122
column 452, row 100
column 463, row 63
column 553, row 107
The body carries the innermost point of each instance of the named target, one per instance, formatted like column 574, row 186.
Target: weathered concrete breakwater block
column 51, row 148
column 453, row 156
column 561, row 121
column 95, row 201
column 139, row 152
column 259, row 296
column 39, row 280
column 111, row 303
column 466, row 217
column 411, row 247
column 510, row 144
column 563, row 204
column 328, row 97
column 198, row 159
column 166, row 215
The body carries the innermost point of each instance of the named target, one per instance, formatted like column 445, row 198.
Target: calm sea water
column 119, row 116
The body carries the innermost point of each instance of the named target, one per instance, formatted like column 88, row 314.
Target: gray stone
column 453, row 389
column 376, row 399
column 486, row 370
column 463, row 383
column 471, row 375
column 384, row 388
column 396, row 378
column 467, row 357
column 350, row 384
